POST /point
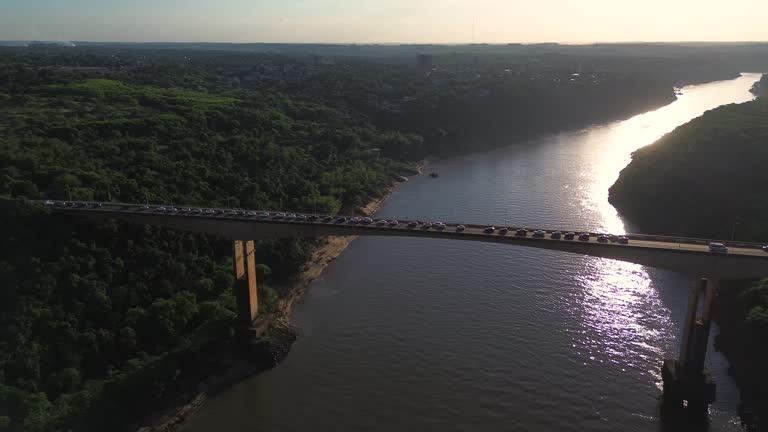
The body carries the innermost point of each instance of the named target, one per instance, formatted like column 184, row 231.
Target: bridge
column 685, row 379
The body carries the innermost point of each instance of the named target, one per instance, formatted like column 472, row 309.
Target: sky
column 384, row 21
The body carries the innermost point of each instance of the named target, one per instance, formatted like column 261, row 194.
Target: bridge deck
column 743, row 260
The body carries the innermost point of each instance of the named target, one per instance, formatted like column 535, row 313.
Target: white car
column 718, row 247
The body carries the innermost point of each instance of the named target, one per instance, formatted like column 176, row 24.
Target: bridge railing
column 119, row 206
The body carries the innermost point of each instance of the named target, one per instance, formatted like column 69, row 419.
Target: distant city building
column 424, row 62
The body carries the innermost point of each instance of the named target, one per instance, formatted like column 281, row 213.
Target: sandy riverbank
column 327, row 251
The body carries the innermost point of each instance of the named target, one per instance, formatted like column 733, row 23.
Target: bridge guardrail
column 631, row 236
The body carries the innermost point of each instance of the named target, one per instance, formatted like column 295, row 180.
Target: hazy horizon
column 396, row 22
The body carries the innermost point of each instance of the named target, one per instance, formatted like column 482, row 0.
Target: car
column 622, row 240
column 521, row 232
column 312, row 218
column 169, row 209
column 569, row 235
column 503, row 231
column 718, row 247
column 393, row 222
column 382, row 222
column 251, row 213
column 426, row 225
column 49, row 203
column 602, row 238
column 59, row 203
column 613, row 238
column 301, row 217
column 341, row 219
column 539, row 233
column 96, row 205
column 413, row 224
column 366, row 221
column 145, row 207
column 765, row 248
column 290, row 216
column 160, row 209
column 327, row 218
column 278, row 216
column 460, row 228
column 584, row 237
column 556, row 235
column 439, row 226
column 489, row 230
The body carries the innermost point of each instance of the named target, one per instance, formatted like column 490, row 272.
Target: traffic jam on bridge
column 715, row 247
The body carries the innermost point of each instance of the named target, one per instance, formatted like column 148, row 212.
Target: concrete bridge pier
column 688, row 387
column 246, row 291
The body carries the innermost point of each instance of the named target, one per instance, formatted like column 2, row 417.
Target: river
column 438, row 335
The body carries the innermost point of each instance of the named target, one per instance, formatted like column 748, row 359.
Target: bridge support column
column 246, row 291
column 687, row 385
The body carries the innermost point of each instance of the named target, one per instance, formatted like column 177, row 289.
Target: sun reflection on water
column 624, row 321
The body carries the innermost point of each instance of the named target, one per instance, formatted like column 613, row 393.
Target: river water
column 438, row 335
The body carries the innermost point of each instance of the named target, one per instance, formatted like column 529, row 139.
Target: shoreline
column 328, row 249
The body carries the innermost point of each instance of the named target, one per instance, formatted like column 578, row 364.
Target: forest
column 92, row 315
column 85, row 306
column 709, row 176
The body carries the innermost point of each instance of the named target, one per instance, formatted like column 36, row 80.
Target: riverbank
column 326, row 252
column 330, row 248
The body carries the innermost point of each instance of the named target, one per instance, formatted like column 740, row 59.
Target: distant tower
column 424, row 62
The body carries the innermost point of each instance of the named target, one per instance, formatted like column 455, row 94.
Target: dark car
column 556, row 235
column 427, row 225
column 489, row 230
column 503, row 231
column 584, row 237
column 765, row 248
column 341, row 219
column 460, row 228
column 569, row 236
column 312, row 218
column 602, row 239
column 622, row 240
column 413, row 224
column 327, row 219
column 521, row 232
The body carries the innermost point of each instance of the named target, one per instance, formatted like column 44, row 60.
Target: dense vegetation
column 760, row 88
column 707, row 176
column 85, row 306
column 97, row 321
